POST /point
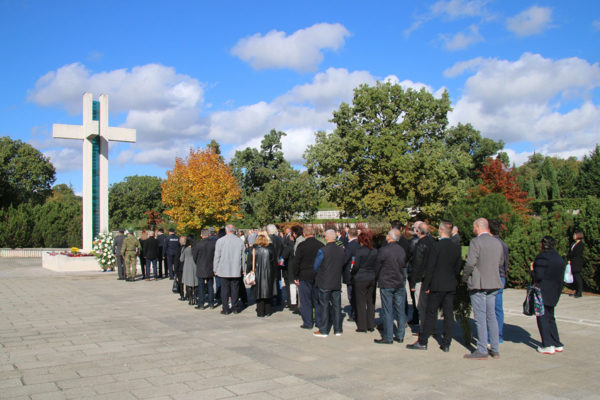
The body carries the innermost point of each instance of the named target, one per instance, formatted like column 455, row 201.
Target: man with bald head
column 483, row 281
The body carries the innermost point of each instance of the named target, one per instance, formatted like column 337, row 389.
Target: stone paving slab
column 89, row 336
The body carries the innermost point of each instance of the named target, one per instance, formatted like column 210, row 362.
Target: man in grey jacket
column 228, row 264
column 483, row 280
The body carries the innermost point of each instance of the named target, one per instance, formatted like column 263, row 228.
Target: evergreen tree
column 589, row 174
column 531, row 187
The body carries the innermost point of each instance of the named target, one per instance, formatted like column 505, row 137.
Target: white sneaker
column 546, row 350
column 559, row 349
column 338, row 334
column 319, row 334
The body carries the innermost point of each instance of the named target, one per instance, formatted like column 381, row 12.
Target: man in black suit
column 416, row 270
column 351, row 248
column 204, row 254
column 439, row 283
column 305, row 277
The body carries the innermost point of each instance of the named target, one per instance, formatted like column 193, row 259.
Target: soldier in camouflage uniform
column 129, row 251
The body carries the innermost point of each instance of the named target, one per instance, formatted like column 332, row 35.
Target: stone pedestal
column 62, row 263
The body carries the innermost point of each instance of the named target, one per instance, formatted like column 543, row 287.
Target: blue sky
column 186, row 72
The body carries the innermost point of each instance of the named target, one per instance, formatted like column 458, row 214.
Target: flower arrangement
column 74, row 250
column 103, row 250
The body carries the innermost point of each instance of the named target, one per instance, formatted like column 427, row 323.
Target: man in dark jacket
column 349, row 255
column 204, row 254
column 150, row 252
column 328, row 267
column 277, row 249
column 117, row 245
column 410, row 254
column 172, row 251
column 389, row 271
column 416, row 270
column 160, row 239
column 305, row 277
column 286, row 255
column 439, row 283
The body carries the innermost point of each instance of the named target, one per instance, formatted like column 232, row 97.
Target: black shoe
column 577, row 295
column 381, row 341
column 225, row 312
column 445, row 349
column 416, row 346
column 305, row 327
column 397, row 340
column 361, row 330
column 120, row 279
column 371, row 330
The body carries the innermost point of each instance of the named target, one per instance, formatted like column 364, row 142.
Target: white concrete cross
column 95, row 134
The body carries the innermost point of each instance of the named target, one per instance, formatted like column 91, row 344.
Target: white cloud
column 301, row 51
column 162, row 105
column 459, row 8
column 529, row 22
column 462, row 40
column 463, row 66
column 300, row 112
column 451, row 10
column 543, row 101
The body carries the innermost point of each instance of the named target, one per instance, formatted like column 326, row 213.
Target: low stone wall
column 26, row 253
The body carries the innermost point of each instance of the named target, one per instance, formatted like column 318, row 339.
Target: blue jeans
column 308, row 301
column 500, row 310
column 153, row 263
column 484, row 303
column 392, row 309
column 204, row 285
column 330, row 305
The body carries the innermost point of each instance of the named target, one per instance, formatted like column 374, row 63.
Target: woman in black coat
column 548, row 270
column 363, row 280
column 575, row 258
column 264, row 268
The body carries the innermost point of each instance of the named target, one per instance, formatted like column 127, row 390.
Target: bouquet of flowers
column 103, row 250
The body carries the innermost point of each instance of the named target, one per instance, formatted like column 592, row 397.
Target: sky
column 185, row 72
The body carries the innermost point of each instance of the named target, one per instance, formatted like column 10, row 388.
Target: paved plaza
column 87, row 335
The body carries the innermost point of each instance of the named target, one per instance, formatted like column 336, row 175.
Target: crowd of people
column 295, row 270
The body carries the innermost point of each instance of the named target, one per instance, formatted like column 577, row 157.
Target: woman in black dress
column 363, row 280
column 548, row 270
column 575, row 258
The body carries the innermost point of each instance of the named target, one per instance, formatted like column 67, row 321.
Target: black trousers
column 434, row 301
column 578, row 281
column 365, row 308
column 263, row 307
column 548, row 330
column 243, row 294
column 230, row 287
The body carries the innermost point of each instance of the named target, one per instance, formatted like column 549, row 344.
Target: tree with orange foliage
column 499, row 178
column 201, row 191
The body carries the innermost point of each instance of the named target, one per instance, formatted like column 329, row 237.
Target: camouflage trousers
column 130, row 263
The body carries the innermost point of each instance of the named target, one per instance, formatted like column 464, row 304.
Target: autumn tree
column 497, row 177
column 201, row 191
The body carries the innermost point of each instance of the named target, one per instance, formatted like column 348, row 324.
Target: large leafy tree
column 272, row 189
column 497, row 177
column 129, row 200
column 201, row 191
column 26, row 175
column 547, row 177
column 58, row 220
column 391, row 151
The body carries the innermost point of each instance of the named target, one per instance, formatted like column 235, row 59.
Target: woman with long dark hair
column 548, row 271
column 576, row 260
column 363, row 280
